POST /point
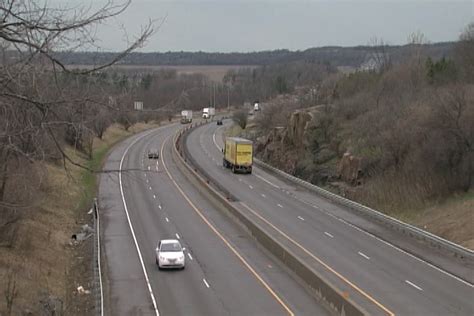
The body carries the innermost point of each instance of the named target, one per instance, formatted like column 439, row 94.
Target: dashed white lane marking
column 150, row 188
column 167, row 220
column 251, row 187
column 159, row 206
column 149, row 168
column 205, row 282
column 279, row 205
column 364, row 255
column 270, row 183
column 177, row 236
column 386, row 243
column 147, row 181
column 328, row 234
column 300, row 218
column 240, row 180
column 154, row 196
column 190, row 257
column 263, row 195
column 145, row 176
column 414, row 285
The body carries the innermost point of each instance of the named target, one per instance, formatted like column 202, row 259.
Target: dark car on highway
column 153, row 154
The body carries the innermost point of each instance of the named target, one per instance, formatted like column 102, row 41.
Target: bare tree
column 465, row 52
column 42, row 102
column 380, row 54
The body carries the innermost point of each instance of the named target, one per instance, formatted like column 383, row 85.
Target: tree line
column 335, row 55
column 410, row 123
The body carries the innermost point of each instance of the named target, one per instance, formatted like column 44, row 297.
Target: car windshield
column 170, row 247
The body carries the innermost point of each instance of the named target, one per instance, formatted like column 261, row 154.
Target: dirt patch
column 213, row 72
column 43, row 268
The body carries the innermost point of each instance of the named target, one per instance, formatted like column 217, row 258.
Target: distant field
column 214, row 72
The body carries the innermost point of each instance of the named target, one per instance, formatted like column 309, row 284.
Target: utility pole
column 228, row 98
column 214, row 106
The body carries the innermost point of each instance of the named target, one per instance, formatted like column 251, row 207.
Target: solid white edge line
column 150, row 290
column 368, row 233
column 270, row 183
column 403, row 251
column 328, row 234
column 387, row 243
column 364, row 255
column 205, row 282
column 414, row 285
column 99, row 264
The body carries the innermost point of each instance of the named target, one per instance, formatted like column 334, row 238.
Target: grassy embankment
column 41, row 262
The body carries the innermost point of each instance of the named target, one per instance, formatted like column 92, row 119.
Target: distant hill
column 334, row 55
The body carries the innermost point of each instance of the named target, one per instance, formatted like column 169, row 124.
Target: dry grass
column 41, row 259
column 452, row 220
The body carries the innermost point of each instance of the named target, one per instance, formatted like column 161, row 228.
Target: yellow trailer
column 238, row 154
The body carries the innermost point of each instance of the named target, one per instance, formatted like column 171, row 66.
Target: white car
column 170, row 254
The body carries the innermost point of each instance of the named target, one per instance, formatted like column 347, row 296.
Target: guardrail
column 407, row 229
column 321, row 288
column 99, row 291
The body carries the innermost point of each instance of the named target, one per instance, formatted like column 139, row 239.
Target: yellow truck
column 238, row 154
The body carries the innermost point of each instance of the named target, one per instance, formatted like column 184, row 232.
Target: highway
column 227, row 273
column 381, row 278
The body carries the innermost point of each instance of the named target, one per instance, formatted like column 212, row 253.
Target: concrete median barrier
column 335, row 299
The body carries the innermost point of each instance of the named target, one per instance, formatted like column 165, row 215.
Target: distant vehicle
column 219, row 122
column 238, row 154
column 153, row 153
column 170, row 254
column 208, row 113
column 186, row 116
column 256, row 106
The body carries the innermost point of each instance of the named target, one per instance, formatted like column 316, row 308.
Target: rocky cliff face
column 304, row 147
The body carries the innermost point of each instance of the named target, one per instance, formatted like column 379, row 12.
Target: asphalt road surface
column 143, row 201
column 382, row 278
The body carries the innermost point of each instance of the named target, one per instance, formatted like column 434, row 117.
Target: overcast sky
column 242, row 25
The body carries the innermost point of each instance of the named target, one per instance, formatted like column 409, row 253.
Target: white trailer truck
column 208, row 113
column 186, row 116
